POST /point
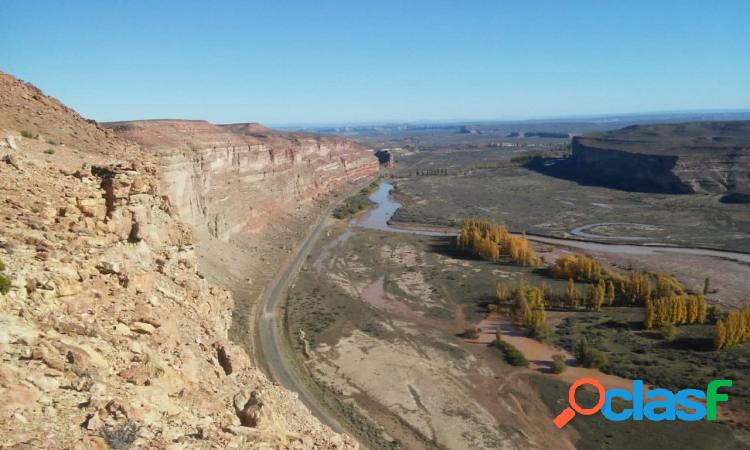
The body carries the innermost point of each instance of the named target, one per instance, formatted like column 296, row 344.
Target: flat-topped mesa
column 230, row 178
column 698, row 157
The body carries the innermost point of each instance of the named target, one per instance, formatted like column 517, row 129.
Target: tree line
column 678, row 310
column 430, row 172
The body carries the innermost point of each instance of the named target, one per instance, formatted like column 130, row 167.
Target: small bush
column 28, row 134
column 558, row 364
column 588, row 356
column 50, row 151
column 121, row 437
column 512, row 355
column 352, row 206
column 4, row 284
column 472, row 333
column 668, row 331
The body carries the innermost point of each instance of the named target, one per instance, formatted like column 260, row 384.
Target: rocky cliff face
column 251, row 194
column 702, row 157
column 238, row 178
column 109, row 335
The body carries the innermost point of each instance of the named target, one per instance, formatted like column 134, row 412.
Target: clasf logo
column 657, row 404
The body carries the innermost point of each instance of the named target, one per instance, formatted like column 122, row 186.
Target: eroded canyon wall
column 109, row 334
column 238, row 178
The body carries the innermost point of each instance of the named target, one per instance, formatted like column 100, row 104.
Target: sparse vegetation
column 587, row 356
column 28, row 134
column 49, row 151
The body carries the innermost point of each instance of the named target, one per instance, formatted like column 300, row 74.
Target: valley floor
column 375, row 319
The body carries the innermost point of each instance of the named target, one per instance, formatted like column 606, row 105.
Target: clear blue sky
column 317, row 61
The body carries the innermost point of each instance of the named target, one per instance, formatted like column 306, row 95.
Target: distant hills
column 571, row 125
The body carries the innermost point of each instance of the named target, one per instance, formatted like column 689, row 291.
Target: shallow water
column 380, row 216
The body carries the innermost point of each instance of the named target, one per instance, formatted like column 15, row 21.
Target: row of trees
column 490, row 240
column 733, row 329
column 595, row 296
column 677, row 310
column 430, row 172
column 634, row 290
column 577, row 267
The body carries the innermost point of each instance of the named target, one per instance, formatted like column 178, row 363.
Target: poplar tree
column 599, row 294
column 720, row 335
column 610, row 292
column 572, row 294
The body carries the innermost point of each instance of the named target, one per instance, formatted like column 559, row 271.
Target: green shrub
column 4, row 284
column 588, row 356
column 28, row 134
column 50, row 151
column 558, row 364
column 512, row 355
column 472, row 333
column 352, row 206
column 668, row 331
column 121, row 437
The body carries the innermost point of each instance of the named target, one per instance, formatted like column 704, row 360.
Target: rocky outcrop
column 702, row 157
column 109, row 334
